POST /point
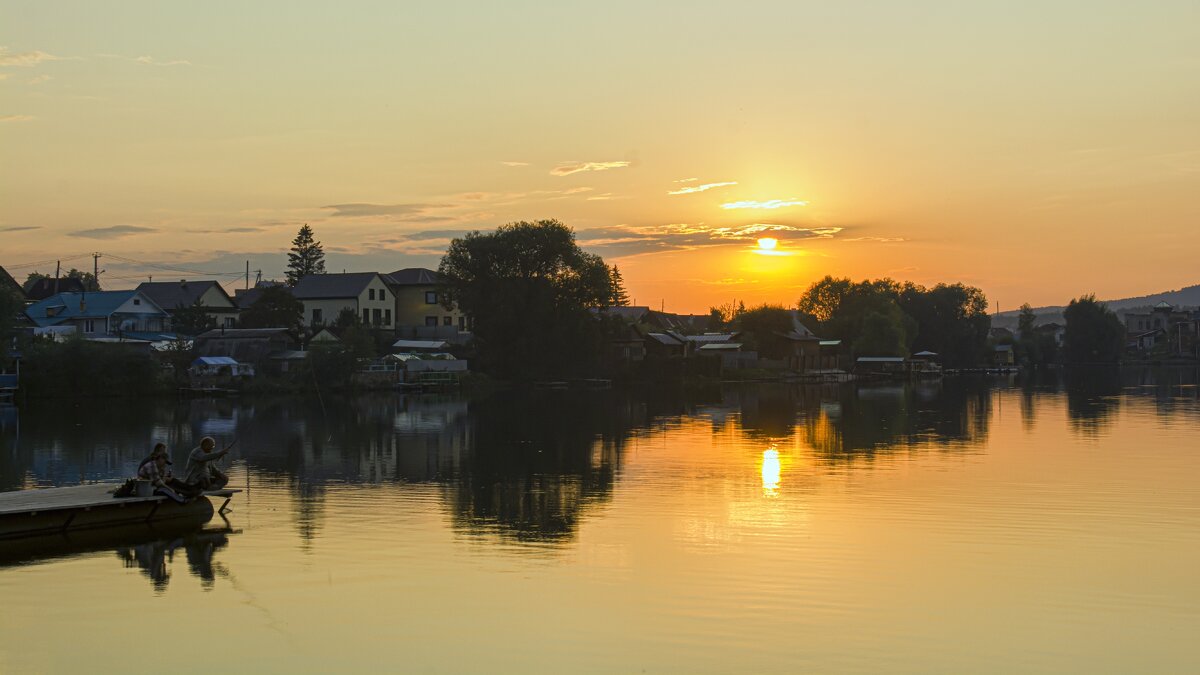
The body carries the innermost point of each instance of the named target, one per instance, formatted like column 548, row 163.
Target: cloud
column 568, row 168
column 769, row 204
column 17, row 118
column 577, row 190
column 114, row 232
column 39, row 79
column 700, row 188
column 687, row 180
column 515, row 163
column 151, row 61
column 626, row 240
column 20, row 228
column 601, row 198
column 359, row 210
column 240, row 229
column 886, row 240
column 25, row 59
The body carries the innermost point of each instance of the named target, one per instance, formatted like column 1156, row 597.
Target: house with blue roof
column 100, row 314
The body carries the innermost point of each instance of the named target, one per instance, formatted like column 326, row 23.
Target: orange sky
column 1034, row 151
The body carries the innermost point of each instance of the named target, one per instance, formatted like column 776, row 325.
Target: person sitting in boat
column 201, row 471
column 157, row 470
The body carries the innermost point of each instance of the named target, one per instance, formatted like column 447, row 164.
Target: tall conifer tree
column 306, row 257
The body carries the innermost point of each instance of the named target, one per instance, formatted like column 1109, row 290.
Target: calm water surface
column 961, row 526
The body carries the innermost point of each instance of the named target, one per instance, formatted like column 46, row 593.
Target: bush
column 81, row 368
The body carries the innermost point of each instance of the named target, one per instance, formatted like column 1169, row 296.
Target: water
column 962, row 526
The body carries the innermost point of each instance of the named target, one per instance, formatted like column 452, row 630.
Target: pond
column 974, row 525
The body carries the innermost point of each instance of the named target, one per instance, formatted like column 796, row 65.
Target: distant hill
column 1185, row 297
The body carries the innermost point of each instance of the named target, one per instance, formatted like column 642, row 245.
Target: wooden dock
column 34, row 512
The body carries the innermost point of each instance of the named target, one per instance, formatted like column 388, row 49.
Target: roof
column 95, row 305
column 44, row 288
column 412, row 276
column 288, row 355
column 332, row 286
column 243, row 298
column 242, row 333
column 709, row 338
column 183, row 293
column 1003, row 348
column 6, row 281
column 1164, row 305
column 831, row 343
column 625, row 313
column 881, row 359
column 721, row 347
column 215, row 361
column 420, row 344
column 926, row 354
column 665, row 338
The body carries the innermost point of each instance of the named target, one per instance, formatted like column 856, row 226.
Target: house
column 1163, row 315
column 173, row 295
column 832, row 355
column 245, row 345
column 1055, row 330
column 665, row 345
column 223, row 366
column 1146, row 340
column 626, row 345
column 1002, row 356
column 888, row 366
column 365, row 293
column 102, row 314
column 324, row 336
column 244, row 297
column 801, row 347
column 418, row 305
column 44, row 288
column 6, row 281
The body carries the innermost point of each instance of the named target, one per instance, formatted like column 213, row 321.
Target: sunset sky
column 1036, row 150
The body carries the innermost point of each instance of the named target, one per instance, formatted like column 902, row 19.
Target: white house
column 365, row 293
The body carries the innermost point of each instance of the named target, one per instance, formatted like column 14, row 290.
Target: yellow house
column 419, row 303
column 365, row 293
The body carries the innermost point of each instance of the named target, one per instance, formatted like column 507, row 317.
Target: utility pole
column 96, row 268
column 57, row 274
column 247, row 275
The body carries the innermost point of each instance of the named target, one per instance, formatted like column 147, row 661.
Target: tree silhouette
column 306, row 257
column 1094, row 333
column 275, row 308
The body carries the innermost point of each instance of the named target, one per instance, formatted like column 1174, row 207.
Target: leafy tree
column 347, row 318
column 841, row 308
column 192, row 319
column 620, row 297
column 275, row 308
column 1094, row 332
column 529, row 288
column 951, row 320
column 764, row 327
column 86, row 278
column 306, row 257
column 11, row 306
column 883, row 332
column 1026, row 321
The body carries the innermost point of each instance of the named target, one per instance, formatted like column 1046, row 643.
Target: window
column 462, row 323
column 371, row 293
column 89, row 325
column 431, row 321
column 431, row 297
column 377, row 316
column 366, row 315
column 318, row 317
column 447, row 321
column 229, row 321
column 387, row 317
column 137, row 301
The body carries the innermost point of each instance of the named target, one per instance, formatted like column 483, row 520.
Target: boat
column 26, row 513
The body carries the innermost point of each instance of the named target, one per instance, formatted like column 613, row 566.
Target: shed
column 420, row 345
column 220, row 365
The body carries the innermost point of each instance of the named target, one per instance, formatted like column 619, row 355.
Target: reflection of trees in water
column 1093, row 398
column 540, row 460
column 854, row 421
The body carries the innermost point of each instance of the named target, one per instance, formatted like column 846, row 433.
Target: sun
column 768, row 243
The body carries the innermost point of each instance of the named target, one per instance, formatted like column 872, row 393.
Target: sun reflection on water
column 770, row 472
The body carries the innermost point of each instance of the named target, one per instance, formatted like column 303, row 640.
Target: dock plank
column 76, row 497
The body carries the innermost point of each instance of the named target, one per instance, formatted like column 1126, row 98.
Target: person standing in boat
column 201, row 471
column 157, row 469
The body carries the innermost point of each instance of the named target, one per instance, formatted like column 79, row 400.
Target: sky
column 1038, row 151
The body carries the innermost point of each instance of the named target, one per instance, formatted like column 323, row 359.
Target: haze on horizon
column 1037, row 151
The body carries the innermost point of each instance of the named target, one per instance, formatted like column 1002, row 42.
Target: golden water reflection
column 770, row 472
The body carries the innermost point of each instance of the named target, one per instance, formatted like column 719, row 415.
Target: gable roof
column 6, row 281
column 63, row 307
column 173, row 294
column 412, row 276
column 44, row 288
column 332, row 286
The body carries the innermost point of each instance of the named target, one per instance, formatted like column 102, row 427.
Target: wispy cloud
column 20, row 228
column 625, row 240
column 769, row 204
column 114, row 232
column 700, row 188
column 39, row 79
column 240, row 229
column 151, row 61
column 568, row 168
column 687, row 180
column 601, row 197
column 577, row 190
column 25, row 59
column 360, row 210
column 886, row 240
column 17, row 118
column 515, row 163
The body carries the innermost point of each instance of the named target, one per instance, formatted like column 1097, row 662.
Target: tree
column 883, row 333
column 306, row 257
column 1094, row 332
column 951, row 320
column 529, row 288
column 275, row 308
column 764, row 328
column 88, row 279
column 1025, row 323
column 346, row 318
column 620, row 298
column 192, row 319
column 11, row 307
column 842, row 307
